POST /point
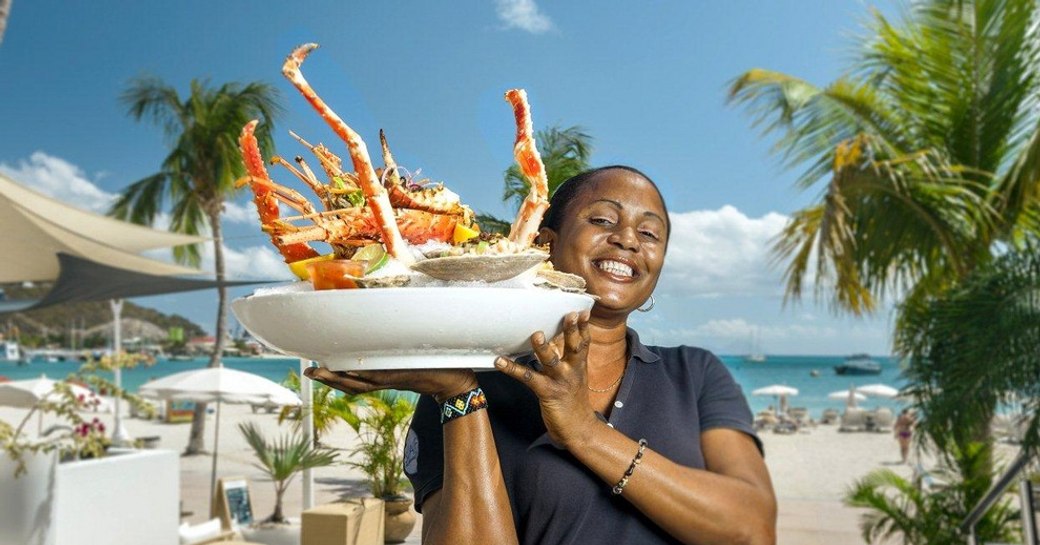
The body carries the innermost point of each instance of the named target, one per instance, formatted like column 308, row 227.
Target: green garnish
column 356, row 198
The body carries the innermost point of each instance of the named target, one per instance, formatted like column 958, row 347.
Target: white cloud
column 721, row 252
column 524, row 15
column 240, row 213
column 60, row 179
column 251, row 262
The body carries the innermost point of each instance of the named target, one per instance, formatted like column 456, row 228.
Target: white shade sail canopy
column 775, row 390
column 36, row 228
column 219, row 384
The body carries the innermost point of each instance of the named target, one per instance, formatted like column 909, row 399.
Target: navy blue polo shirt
column 669, row 396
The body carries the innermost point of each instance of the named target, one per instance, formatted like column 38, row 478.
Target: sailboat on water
column 755, row 355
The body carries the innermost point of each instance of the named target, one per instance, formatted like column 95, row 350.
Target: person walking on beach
column 904, row 431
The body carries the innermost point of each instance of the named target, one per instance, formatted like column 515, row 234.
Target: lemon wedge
column 463, row 233
column 299, row 268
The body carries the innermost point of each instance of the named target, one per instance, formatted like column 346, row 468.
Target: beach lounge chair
column 765, row 420
column 883, row 419
column 830, row 416
column 801, row 417
column 853, row 419
column 785, row 426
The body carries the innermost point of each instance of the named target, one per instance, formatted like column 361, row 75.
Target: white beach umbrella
column 780, row 391
column 775, row 390
column 27, row 393
column 845, row 394
column 879, row 390
column 851, row 396
column 220, row 385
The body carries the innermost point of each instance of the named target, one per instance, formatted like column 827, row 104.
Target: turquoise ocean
column 794, row 371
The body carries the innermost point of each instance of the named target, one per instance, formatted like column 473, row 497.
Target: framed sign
column 232, row 503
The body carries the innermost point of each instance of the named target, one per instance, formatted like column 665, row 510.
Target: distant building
column 201, row 344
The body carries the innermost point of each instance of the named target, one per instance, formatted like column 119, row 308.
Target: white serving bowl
column 405, row 328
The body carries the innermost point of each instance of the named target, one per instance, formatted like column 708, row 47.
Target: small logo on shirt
column 411, row 453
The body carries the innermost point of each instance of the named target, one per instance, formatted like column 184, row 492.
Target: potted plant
column 281, row 459
column 327, row 406
column 29, row 462
column 381, row 424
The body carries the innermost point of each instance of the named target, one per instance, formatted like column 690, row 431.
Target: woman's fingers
column 546, row 353
column 576, row 336
column 345, row 381
column 531, row 378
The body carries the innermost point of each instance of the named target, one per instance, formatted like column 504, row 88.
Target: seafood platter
column 411, row 281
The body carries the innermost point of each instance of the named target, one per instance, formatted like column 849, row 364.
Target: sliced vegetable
column 374, row 254
column 336, row 274
column 299, row 268
column 463, row 233
column 356, row 198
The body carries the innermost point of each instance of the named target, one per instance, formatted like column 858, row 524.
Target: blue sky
column 649, row 85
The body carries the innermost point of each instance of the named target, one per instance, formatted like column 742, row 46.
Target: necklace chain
column 612, row 384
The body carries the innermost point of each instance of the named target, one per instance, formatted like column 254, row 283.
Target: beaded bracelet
column 620, row 486
column 463, row 404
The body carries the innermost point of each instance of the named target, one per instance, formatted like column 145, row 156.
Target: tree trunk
column 196, row 441
column 5, row 12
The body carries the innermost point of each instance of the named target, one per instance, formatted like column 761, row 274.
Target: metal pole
column 307, row 397
column 120, row 437
column 213, row 471
column 1025, row 489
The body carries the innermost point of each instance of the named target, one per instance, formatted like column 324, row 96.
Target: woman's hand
column 560, row 385
column 439, row 383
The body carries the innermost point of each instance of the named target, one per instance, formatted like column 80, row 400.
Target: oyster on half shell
column 568, row 282
column 480, row 268
column 394, row 281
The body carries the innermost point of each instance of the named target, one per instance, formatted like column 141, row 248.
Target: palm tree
column 282, row 459
column 327, row 407
column 975, row 347
column 565, row 152
column 923, row 515
column 199, row 173
column 5, row 12
column 927, row 151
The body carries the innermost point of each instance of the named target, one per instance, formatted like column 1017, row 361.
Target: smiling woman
column 634, row 444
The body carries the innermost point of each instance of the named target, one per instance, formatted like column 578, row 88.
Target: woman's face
column 614, row 236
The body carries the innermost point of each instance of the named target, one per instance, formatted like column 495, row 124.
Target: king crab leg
column 267, row 200
column 374, row 192
column 311, row 181
column 529, row 218
column 330, row 163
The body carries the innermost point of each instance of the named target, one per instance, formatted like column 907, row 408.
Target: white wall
column 128, row 498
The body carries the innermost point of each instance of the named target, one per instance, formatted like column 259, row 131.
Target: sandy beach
column 810, row 471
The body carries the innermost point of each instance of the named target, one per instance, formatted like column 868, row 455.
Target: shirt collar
column 639, row 350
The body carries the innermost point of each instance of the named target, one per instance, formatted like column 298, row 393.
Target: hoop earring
column 649, row 308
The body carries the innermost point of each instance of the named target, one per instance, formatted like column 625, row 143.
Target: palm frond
column 148, row 97
column 142, row 200
column 492, row 224
column 565, row 152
